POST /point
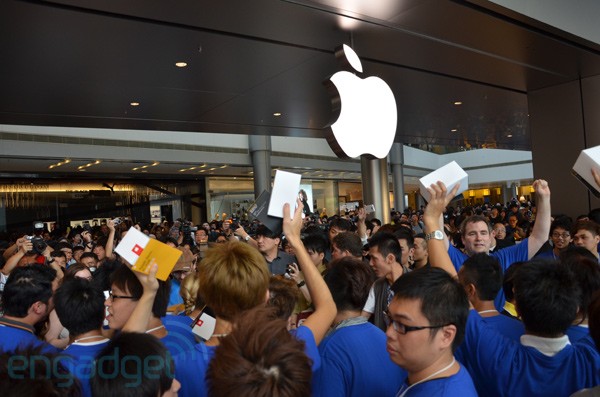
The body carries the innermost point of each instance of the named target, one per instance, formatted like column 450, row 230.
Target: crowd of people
column 493, row 300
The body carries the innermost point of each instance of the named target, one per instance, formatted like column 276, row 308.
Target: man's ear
column 493, row 233
column 39, row 308
column 447, row 335
column 470, row 290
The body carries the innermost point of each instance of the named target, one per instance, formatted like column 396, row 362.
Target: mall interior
column 155, row 109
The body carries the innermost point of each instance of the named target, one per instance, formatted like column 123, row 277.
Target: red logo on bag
column 137, row 249
column 199, row 323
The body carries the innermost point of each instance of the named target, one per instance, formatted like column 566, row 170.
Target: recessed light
column 276, row 114
column 134, row 103
column 453, row 130
column 458, row 103
column 509, row 136
column 181, row 64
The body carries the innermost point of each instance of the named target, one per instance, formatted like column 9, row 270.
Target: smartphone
column 369, row 209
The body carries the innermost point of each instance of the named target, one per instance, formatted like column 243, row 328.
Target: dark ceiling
column 81, row 63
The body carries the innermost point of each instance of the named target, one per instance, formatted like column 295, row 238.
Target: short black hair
column 89, row 255
column 587, row 274
column 546, row 296
column 58, row 254
column 386, row 244
column 79, row 306
column 443, row 299
column 349, row 279
column 348, row 241
column 123, row 356
column 341, row 224
column 403, row 233
column 125, row 280
column 485, row 273
column 508, row 281
column 25, row 286
column 315, row 242
column 563, row 222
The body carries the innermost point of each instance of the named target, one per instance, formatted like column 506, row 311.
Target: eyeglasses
column 563, row 235
column 113, row 296
column 404, row 329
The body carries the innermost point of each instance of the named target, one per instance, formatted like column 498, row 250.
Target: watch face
column 438, row 235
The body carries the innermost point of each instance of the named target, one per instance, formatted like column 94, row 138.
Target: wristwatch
column 247, row 238
column 436, row 235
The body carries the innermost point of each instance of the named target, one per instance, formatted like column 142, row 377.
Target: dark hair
column 443, row 299
column 259, row 358
column 58, row 254
column 41, row 375
column 403, row 233
column 485, row 273
column 386, row 244
column 283, row 296
column 122, row 359
column 103, row 273
column 64, row 244
column 349, row 279
column 315, row 242
column 89, row 255
column 125, row 280
column 348, row 241
column 594, row 215
column 508, row 281
column 341, row 224
column 574, row 252
column 546, row 296
column 79, row 306
column 587, row 274
column 73, row 270
column 25, row 286
column 594, row 320
column 590, row 226
column 563, row 222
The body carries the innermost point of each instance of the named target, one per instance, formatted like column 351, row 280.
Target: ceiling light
column 453, row 130
column 509, row 136
column 223, row 166
column 458, row 103
column 134, row 103
column 276, row 114
column 181, row 64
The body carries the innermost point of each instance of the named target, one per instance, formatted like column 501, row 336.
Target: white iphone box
column 451, row 174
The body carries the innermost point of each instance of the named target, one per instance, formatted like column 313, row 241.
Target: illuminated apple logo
column 367, row 111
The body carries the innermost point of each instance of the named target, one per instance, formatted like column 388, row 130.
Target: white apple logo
column 368, row 115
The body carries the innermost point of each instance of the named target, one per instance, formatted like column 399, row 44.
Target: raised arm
column 138, row 321
column 596, row 175
column 111, row 240
column 325, row 310
column 361, row 225
column 438, row 252
column 541, row 228
column 24, row 246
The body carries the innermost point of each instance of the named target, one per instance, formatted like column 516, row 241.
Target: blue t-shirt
column 577, row 332
column 355, row 363
column 506, row 256
column 79, row 358
column 180, row 325
column 14, row 334
column 191, row 366
column 174, row 297
column 503, row 367
column 459, row 384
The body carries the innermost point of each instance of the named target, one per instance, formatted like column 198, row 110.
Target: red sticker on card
column 137, row 249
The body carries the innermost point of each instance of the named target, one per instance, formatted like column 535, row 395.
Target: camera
column 39, row 244
column 117, row 221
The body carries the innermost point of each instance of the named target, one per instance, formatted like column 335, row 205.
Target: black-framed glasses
column 113, row 296
column 563, row 235
column 404, row 329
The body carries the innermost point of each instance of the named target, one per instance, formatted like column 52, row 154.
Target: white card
column 582, row 169
column 132, row 245
column 204, row 326
column 285, row 190
column 451, row 174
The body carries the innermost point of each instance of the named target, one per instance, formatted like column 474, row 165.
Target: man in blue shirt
column 427, row 322
column 546, row 297
column 27, row 300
